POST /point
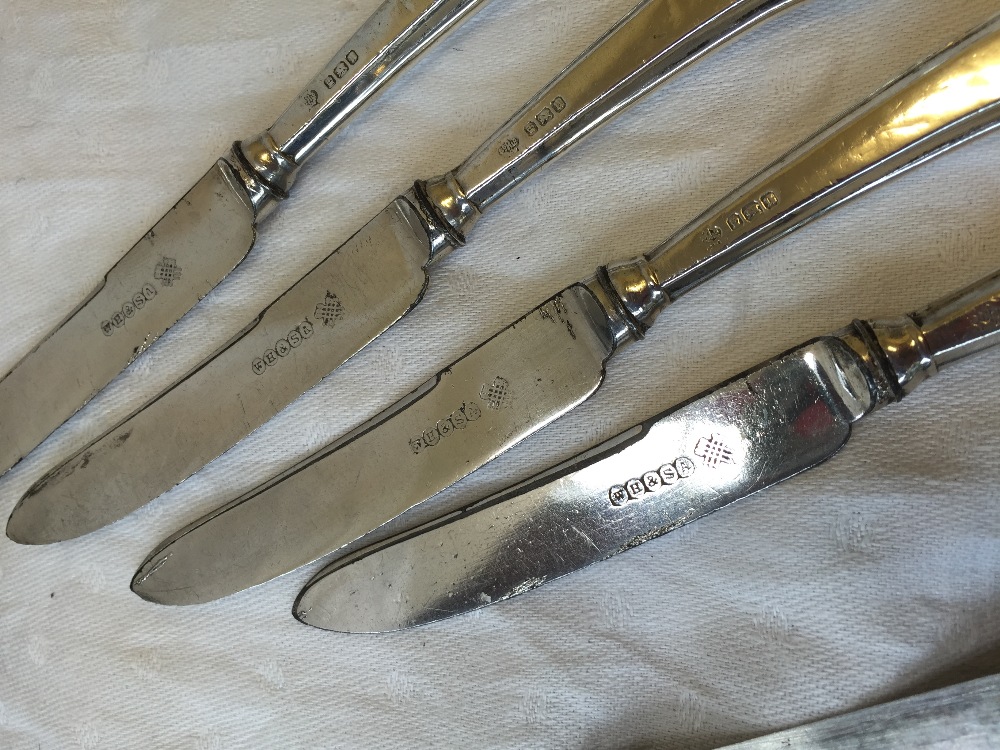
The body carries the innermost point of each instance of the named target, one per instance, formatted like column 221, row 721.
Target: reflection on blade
column 338, row 308
column 761, row 428
column 525, row 377
column 177, row 263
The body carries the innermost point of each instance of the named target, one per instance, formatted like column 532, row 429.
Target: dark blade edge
column 597, row 453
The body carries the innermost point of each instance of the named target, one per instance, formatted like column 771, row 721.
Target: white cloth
column 868, row 578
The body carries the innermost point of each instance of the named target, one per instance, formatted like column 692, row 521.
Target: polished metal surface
column 213, row 227
column 469, row 413
column 621, row 293
column 657, row 39
column 165, row 274
column 353, row 295
column 960, row 717
column 941, row 104
column 761, row 428
column 647, row 46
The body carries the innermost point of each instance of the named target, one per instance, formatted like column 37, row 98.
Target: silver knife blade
column 862, row 149
column 356, row 293
column 725, row 445
column 208, row 233
column 481, row 405
column 164, row 275
column 762, row 427
column 657, row 39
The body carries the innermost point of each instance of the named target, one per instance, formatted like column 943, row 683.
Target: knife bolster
column 266, row 173
column 895, row 356
column 445, row 210
column 636, row 292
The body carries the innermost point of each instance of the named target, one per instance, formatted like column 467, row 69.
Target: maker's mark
column 496, row 394
column 167, row 271
column 713, row 452
column 330, row 310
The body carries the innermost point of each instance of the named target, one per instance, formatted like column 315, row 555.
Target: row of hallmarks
column 166, row 273
column 743, row 219
column 495, row 395
column 712, row 451
column 329, row 312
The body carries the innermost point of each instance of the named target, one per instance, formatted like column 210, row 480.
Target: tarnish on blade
column 524, row 377
column 758, row 429
column 355, row 294
column 187, row 253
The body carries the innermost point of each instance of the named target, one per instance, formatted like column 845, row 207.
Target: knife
column 764, row 426
column 370, row 282
column 554, row 357
column 960, row 716
column 208, row 232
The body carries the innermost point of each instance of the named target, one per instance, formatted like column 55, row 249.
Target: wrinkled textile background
column 869, row 578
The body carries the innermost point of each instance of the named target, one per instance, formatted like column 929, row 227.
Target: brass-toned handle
column 942, row 103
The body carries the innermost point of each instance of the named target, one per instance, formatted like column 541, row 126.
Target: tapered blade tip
column 152, row 583
column 316, row 607
column 34, row 522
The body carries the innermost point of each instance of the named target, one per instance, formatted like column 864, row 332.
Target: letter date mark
column 544, row 117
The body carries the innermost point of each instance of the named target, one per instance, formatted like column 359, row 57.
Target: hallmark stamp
column 742, row 219
column 340, row 70
column 128, row 310
column 745, row 216
column 545, row 116
column 457, row 420
column 496, row 394
column 282, row 347
column 652, row 482
column 330, row 310
column 311, row 98
column 167, row 271
column 510, row 146
column 713, row 452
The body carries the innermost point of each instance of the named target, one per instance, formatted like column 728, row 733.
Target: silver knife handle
column 390, row 39
column 938, row 105
column 655, row 40
column 913, row 348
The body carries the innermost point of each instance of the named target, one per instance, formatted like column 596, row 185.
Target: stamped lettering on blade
column 129, row 310
column 652, row 481
column 283, row 347
column 557, row 312
column 459, row 419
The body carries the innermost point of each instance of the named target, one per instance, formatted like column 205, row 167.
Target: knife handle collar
column 902, row 353
column 636, row 294
column 265, row 172
column 447, row 209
